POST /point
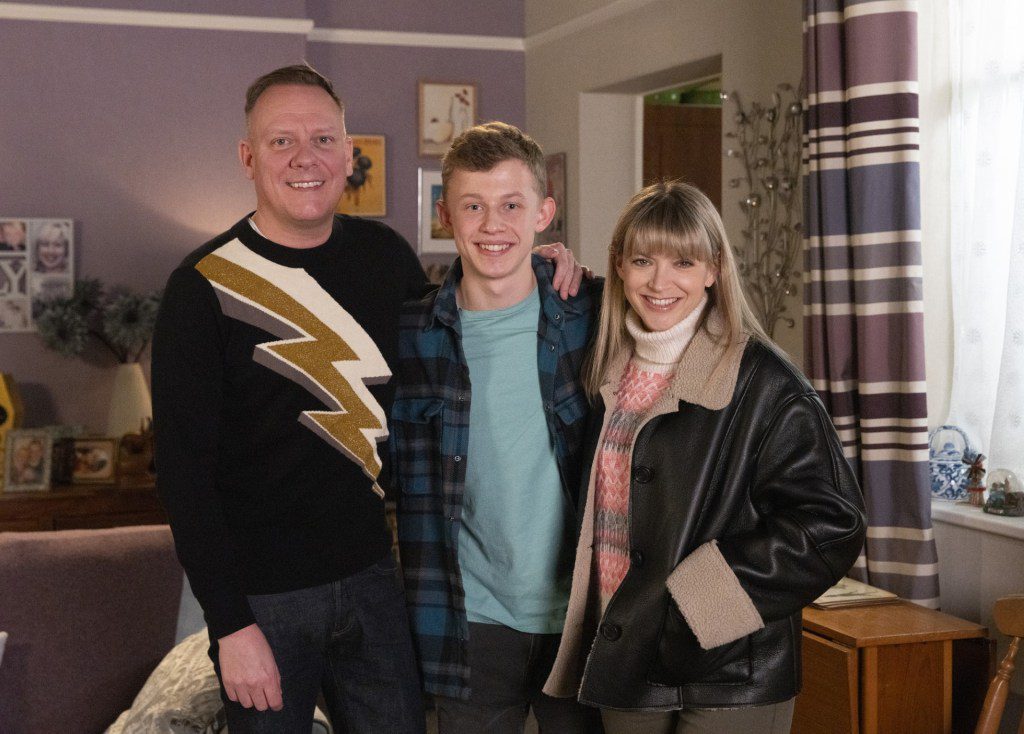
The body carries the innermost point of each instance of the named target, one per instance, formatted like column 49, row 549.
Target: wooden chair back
column 1009, row 617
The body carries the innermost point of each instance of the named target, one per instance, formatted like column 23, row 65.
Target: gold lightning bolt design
column 322, row 347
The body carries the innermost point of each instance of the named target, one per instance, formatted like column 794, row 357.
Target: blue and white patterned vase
column 947, row 448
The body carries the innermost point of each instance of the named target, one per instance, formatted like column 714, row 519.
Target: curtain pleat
column 863, row 306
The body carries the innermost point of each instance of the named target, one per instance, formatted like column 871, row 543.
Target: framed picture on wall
column 365, row 191
column 95, row 461
column 555, row 164
column 36, row 264
column 433, row 239
column 27, row 461
column 445, row 110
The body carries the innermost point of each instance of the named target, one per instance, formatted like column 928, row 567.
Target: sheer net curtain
column 987, row 226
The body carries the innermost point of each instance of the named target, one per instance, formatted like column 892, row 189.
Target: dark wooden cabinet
column 129, row 502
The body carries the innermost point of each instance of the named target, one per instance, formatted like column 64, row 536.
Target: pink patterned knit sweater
column 645, row 378
column 637, row 392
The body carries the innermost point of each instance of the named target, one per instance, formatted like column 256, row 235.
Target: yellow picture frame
column 366, row 190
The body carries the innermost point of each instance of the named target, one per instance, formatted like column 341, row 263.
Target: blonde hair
column 677, row 219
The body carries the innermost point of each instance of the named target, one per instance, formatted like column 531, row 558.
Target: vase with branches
column 118, row 319
column 766, row 141
column 122, row 322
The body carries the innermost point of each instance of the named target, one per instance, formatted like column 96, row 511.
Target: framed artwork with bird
column 446, row 109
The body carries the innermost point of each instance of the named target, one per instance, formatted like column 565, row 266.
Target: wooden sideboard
column 891, row 668
column 129, row 502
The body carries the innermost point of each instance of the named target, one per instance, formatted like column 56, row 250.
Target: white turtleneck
column 660, row 351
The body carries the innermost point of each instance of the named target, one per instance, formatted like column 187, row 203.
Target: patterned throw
column 638, row 391
column 863, row 302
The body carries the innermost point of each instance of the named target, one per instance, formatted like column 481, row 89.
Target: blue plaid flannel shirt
column 428, row 444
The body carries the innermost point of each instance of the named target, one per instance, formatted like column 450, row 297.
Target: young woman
column 718, row 501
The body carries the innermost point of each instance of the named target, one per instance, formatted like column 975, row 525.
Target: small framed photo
column 15, row 314
column 365, row 191
column 434, row 239
column 445, row 110
column 27, row 461
column 13, row 235
column 95, row 461
column 555, row 164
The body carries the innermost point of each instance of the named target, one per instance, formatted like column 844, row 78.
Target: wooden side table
column 890, row 668
column 129, row 502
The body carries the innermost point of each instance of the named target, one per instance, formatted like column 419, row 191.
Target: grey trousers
column 507, row 671
column 772, row 719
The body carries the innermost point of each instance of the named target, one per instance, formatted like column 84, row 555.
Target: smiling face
column 663, row 288
column 298, row 156
column 494, row 216
column 51, row 249
column 12, row 234
column 19, row 460
column 35, row 454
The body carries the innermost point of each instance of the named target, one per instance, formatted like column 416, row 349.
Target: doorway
column 682, row 137
column 610, row 157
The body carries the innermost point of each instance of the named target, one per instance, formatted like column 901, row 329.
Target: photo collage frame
column 36, row 265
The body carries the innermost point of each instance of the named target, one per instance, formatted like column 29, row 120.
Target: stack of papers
column 851, row 593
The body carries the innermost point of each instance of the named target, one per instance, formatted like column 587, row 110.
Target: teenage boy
column 487, row 426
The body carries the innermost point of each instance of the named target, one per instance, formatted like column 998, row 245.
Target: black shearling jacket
column 742, row 510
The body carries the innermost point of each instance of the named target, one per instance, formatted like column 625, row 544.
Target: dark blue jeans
column 349, row 639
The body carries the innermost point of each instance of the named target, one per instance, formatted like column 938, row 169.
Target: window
column 987, row 226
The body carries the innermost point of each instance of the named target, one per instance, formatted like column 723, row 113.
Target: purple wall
column 386, row 103
column 258, row 8
column 132, row 132
column 481, row 18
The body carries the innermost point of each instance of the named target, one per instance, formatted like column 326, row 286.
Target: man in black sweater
column 270, row 364
column 270, row 394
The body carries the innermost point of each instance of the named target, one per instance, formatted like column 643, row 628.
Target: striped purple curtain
column 863, row 320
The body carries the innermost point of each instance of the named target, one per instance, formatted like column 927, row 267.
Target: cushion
column 190, row 614
column 182, row 696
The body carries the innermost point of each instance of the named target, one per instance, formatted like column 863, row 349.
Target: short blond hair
column 482, row 147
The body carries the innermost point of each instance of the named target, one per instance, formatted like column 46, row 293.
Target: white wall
column 580, row 51
column 608, row 172
column 979, row 560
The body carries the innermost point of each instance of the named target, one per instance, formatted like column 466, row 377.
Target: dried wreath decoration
column 119, row 319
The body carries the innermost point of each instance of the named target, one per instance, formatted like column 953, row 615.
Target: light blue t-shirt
column 516, row 540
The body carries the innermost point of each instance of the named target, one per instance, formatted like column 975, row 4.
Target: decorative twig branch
column 768, row 145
